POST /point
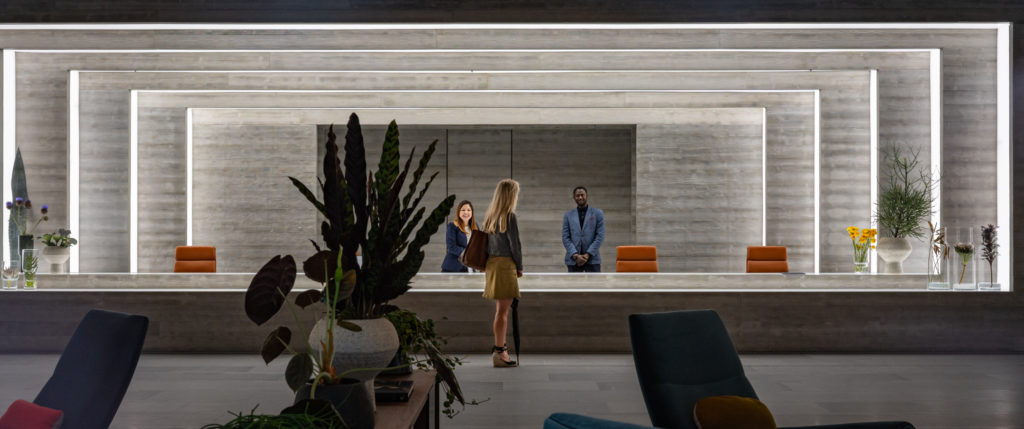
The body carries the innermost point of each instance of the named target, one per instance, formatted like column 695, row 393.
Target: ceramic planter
column 56, row 257
column 373, row 347
column 893, row 251
column 349, row 398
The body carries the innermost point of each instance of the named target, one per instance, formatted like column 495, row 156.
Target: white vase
column 893, row 251
column 56, row 257
column 372, row 347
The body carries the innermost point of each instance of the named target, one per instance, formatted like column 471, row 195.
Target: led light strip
column 596, row 26
column 74, row 166
column 873, row 153
column 764, row 178
column 9, row 148
column 1004, row 154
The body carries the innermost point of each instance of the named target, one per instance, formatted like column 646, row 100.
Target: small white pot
column 893, row 251
column 56, row 257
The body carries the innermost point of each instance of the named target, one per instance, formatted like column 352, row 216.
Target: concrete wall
column 544, row 199
column 964, row 58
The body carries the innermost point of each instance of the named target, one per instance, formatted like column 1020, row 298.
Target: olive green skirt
column 501, row 278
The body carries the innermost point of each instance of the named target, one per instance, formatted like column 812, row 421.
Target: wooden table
column 414, row 414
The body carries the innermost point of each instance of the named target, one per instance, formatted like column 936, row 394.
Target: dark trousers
column 585, row 268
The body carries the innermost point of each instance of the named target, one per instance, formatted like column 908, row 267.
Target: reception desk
column 560, row 313
column 434, row 282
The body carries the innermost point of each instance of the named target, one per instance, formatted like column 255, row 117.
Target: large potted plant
column 368, row 212
column 904, row 204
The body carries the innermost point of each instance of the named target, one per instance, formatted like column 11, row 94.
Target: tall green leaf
column 19, row 188
column 387, row 170
column 355, row 176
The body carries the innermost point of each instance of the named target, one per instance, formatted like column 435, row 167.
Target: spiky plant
column 19, row 189
column 906, row 197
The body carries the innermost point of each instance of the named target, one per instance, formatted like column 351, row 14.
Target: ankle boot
column 498, row 361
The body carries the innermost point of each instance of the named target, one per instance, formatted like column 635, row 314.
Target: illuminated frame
column 633, row 115
column 816, row 141
column 873, row 133
column 1004, row 65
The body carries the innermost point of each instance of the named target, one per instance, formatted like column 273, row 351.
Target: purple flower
column 28, row 204
column 9, row 205
column 19, row 201
column 44, row 209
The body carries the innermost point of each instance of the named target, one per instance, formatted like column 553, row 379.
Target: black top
column 507, row 243
column 583, row 214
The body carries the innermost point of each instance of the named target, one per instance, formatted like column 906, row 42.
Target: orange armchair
column 195, row 259
column 767, row 259
column 636, row 259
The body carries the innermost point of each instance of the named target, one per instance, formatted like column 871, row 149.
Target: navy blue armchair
column 682, row 357
column 95, row 369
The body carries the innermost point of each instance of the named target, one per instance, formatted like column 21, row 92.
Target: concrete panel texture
column 544, row 200
column 790, row 161
column 967, row 56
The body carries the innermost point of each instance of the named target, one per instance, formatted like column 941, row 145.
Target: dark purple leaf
column 276, row 343
column 320, row 264
column 308, row 298
column 299, row 370
column 268, row 289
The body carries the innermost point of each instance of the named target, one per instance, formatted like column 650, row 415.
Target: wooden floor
column 931, row 391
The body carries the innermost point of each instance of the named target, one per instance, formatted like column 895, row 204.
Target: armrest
column 867, row 425
column 576, row 421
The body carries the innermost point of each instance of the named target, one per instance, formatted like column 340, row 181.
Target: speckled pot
column 373, row 347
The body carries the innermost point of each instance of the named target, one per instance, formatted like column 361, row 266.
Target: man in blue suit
column 582, row 235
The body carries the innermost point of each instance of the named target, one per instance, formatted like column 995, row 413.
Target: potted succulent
column 365, row 212
column 904, row 204
column 58, row 249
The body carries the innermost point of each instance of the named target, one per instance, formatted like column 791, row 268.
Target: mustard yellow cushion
column 732, row 412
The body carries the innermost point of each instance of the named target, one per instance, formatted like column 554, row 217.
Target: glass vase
column 988, row 275
column 860, row 262
column 963, row 260
column 938, row 268
column 10, row 275
column 29, row 267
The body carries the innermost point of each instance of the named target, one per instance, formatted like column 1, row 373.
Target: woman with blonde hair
column 457, row 238
column 504, row 263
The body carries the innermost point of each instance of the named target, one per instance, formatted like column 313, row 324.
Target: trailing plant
column 61, row 238
column 313, row 414
column 417, row 336
column 906, row 197
column 989, row 248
